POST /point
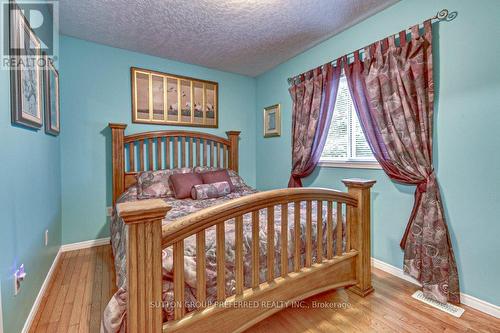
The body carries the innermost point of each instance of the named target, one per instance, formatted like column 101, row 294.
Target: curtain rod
column 442, row 15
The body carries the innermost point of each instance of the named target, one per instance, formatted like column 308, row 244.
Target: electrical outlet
column 46, row 237
column 109, row 211
column 19, row 276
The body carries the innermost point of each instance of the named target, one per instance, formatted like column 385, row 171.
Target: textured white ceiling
column 241, row 36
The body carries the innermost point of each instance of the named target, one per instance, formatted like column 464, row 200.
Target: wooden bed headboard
column 157, row 150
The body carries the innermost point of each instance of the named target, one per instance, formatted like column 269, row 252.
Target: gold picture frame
column 156, row 97
column 272, row 121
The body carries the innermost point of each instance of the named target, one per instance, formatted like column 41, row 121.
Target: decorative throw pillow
column 182, row 183
column 154, row 184
column 236, row 180
column 217, row 176
column 210, row 191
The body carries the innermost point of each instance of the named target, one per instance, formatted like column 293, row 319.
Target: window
column 346, row 144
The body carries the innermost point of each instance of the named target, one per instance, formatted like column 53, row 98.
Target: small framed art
column 272, row 121
column 52, row 110
column 26, row 74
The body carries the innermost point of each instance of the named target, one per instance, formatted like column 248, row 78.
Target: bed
column 226, row 263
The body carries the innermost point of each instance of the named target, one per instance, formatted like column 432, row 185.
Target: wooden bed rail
column 203, row 219
column 323, row 266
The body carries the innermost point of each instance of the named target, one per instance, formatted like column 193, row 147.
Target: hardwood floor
column 81, row 286
column 84, row 281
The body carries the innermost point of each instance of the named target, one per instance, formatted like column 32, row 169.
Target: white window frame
column 351, row 164
column 357, row 163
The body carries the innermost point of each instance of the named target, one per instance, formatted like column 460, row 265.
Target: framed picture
column 272, row 121
column 52, row 111
column 26, row 74
column 166, row 99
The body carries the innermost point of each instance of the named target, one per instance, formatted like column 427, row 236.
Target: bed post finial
column 360, row 233
column 118, row 159
column 233, row 150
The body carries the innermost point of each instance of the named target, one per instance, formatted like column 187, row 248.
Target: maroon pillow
column 182, row 183
column 211, row 177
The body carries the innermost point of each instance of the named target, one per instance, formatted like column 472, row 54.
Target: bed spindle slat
column 221, row 261
column 339, row 229
column 167, row 152
column 141, row 155
column 150, row 154
column 255, row 249
column 349, row 217
column 176, row 152
column 319, row 234
column 219, row 164
column 284, row 240
column 198, row 152
column 191, row 152
column 296, row 231
column 212, row 153
column 183, row 152
column 201, row 284
column 329, row 230
column 270, row 243
column 308, row 233
column 131, row 156
column 178, row 249
column 239, row 255
column 225, row 157
column 159, row 159
column 204, row 152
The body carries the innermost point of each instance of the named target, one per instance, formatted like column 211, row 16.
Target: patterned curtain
column 393, row 94
column 313, row 101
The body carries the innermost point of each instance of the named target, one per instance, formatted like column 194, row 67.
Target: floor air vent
column 446, row 307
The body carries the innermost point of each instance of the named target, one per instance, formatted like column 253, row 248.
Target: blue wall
column 44, row 175
column 466, row 136
column 30, row 202
column 95, row 90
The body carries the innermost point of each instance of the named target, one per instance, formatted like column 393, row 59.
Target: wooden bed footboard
column 333, row 265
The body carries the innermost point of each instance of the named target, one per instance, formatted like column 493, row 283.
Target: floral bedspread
column 115, row 312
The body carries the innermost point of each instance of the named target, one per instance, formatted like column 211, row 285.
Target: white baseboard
column 41, row 292
column 473, row 302
column 480, row 305
column 396, row 271
column 85, row 244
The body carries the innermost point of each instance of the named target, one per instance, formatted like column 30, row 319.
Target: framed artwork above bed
column 156, row 98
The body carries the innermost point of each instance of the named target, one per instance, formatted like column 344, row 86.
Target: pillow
column 236, row 180
column 210, row 191
column 182, row 183
column 154, row 184
column 211, row 177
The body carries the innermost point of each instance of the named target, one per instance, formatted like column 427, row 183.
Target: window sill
column 350, row 165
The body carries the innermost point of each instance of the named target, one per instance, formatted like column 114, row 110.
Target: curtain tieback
column 422, row 186
column 421, row 189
